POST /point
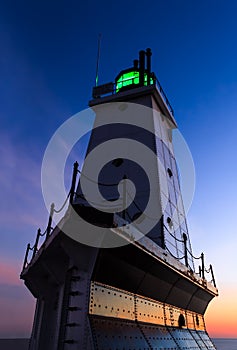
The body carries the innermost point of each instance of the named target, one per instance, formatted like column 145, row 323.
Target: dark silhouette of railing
column 165, row 98
column 49, row 227
column 187, row 254
column 112, row 88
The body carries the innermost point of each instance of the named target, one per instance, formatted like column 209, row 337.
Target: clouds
column 16, row 304
column 47, row 71
column 17, row 309
column 221, row 317
column 9, row 273
column 19, row 185
column 22, row 208
column 22, row 211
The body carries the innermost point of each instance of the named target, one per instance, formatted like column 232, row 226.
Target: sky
column 47, row 68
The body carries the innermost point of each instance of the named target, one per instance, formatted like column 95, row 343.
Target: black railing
column 162, row 93
column 187, row 254
column 34, row 249
column 49, row 227
column 111, row 89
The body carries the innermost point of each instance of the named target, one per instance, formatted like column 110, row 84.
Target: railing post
column 36, row 243
column 203, row 266
column 213, row 278
column 74, row 178
column 26, row 256
column 49, row 226
column 200, row 271
column 185, row 249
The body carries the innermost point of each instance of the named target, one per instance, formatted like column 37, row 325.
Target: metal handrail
column 49, row 227
column 71, row 197
column 165, row 98
column 112, row 89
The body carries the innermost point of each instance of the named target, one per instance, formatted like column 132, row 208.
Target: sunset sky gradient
column 47, row 69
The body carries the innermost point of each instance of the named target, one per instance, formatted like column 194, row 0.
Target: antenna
column 97, row 61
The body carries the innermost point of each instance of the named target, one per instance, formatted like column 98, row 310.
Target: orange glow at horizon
column 221, row 315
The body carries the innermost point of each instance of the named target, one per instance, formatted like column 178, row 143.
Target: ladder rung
column 73, row 324
column 74, row 308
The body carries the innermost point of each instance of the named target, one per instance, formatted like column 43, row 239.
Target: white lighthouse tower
column 134, row 285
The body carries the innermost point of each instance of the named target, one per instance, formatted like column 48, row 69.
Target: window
column 181, row 321
column 169, row 171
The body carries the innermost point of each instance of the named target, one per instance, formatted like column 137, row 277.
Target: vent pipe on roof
column 135, row 64
column 142, row 67
column 148, row 65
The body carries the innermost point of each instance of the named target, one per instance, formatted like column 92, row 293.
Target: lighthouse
column 118, row 271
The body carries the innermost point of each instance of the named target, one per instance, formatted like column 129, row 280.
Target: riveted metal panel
column 75, row 327
column 200, row 323
column 111, row 302
column 111, row 334
column 158, row 338
column 149, row 311
column 199, row 341
column 172, row 315
column 195, row 321
column 190, row 322
column 130, row 268
column 207, row 341
column 184, row 339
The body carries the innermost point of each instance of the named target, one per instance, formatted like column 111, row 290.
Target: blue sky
column 47, row 69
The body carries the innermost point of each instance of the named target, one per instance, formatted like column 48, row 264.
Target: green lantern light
column 130, row 78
